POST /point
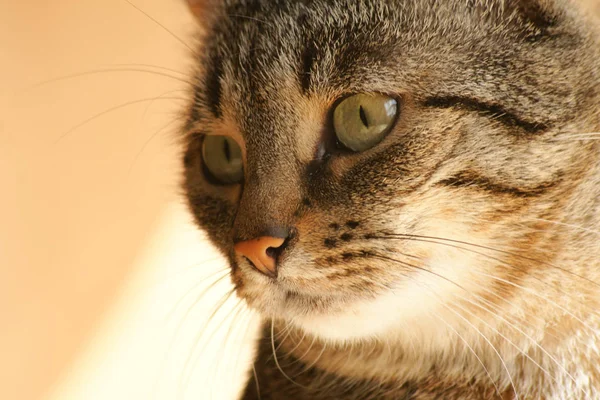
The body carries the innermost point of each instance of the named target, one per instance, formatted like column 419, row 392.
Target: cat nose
column 262, row 253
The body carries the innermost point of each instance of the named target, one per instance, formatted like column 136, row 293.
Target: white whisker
column 515, row 327
column 111, row 109
column 545, row 371
column 277, row 361
column 533, row 292
column 472, row 351
column 187, row 372
column 491, row 345
column 162, row 26
column 256, row 381
column 577, row 227
column 106, row 71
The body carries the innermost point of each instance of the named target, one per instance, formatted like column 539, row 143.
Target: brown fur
column 458, row 258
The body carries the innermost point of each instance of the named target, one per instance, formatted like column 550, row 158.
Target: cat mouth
column 291, row 294
column 286, row 300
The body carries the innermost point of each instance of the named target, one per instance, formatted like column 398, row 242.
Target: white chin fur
column 410, row 310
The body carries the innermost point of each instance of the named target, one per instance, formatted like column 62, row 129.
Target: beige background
column 94, row 251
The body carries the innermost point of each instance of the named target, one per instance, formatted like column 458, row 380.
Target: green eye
column 363, row 120
column 222, row 159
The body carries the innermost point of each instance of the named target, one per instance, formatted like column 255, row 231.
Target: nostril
column 274, row 252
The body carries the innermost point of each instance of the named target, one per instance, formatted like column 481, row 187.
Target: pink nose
column 258, row 252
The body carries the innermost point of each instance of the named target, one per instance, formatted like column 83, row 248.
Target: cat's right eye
column 222, row 158
column 363, row 120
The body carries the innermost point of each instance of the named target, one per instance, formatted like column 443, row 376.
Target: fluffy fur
column 457, row 259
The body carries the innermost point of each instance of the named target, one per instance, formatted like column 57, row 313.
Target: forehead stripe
column 493, row 111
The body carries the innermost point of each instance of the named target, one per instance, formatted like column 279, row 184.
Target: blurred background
column 102, row 273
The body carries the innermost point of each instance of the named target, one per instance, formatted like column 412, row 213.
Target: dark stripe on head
column 541, row 17
column 213, row 85
column 308, row 60
column 472, row 179
column 494, row 111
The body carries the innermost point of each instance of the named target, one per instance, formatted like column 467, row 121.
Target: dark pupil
column 363, row 116
column 227, row 150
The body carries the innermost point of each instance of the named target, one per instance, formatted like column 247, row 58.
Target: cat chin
column 385, row 315
column 421, row 304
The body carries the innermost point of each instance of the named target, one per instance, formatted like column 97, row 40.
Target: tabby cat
column 408, row 191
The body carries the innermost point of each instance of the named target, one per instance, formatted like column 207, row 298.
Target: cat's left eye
column 222, row 158
column 361, row 121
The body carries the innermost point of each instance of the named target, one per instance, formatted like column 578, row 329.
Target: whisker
column 314, row 362
column 417, row 238
column 175, row 307
column 173, row 35
column 510, row 378
column 539, row 296
column 187, row 373
column 487, row 290
column 506, row 301
column 472, row 351
column 576, row 136
column 264, row 21
column 111, row 109
column 168, row 280
column 250, row 316
column 577, row 227
column 225, row 274
column 105, row 71
column 581, row 134
column 159, row 67
column 298, row 359
column 290, row 352
column 277, row 361
column 592, row 310
column 225, row 341
column 147, row 143
column 478, row 331
column 494, row 306
column 432, row 239
column 577, row 139
column 161, row 96
column 509, row 324
column 409, row 265
column 515, row 327
column 462, row 317
column 256, row 381
column 228, row 319
column 545, row 371
column 286, row 331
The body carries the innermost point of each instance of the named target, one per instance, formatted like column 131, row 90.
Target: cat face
column 373, row 162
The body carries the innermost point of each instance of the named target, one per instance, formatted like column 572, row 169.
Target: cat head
column 365, row 164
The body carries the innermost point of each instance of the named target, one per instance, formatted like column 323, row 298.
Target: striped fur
column 460, row 257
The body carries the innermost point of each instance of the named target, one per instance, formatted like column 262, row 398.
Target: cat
column 408, row 191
